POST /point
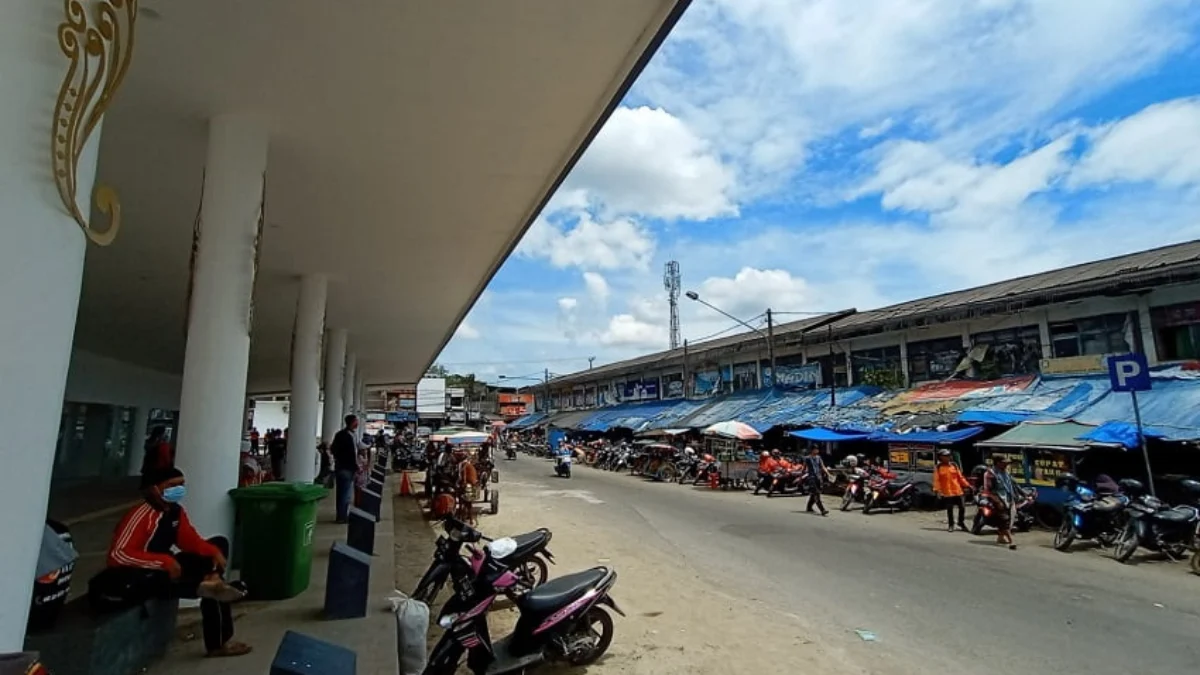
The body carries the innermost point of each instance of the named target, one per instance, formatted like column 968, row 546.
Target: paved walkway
column 262, row 624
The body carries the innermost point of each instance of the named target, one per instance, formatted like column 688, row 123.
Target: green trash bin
column 276, row 522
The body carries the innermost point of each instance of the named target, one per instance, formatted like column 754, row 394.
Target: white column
column 348, row 384
column 41, row 269
column 1044, row 334
column 335, row 366
column 904, row 358
column 1146, row 325
column 360, row 405
column 137, row 451
column 212, row 402
column 306, row 379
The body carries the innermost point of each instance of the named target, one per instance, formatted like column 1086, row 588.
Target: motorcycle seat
column 1105, row 505
column 558, row 593
column 1179, row 514
column 530, row 543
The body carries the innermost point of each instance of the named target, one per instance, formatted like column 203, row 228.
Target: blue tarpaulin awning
column 930, row 437
column 528, row 421
column 1120, row 433
column 829, row 435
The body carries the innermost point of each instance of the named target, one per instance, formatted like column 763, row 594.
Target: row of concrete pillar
column 41, row 270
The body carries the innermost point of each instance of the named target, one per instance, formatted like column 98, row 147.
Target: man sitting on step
column 157, row 553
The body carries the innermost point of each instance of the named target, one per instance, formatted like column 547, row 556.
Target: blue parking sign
column 1129, row 372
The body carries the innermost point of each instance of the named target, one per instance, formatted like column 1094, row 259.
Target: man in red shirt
column 157, row 553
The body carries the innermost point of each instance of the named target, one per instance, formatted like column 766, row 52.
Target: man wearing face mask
column 157, row 553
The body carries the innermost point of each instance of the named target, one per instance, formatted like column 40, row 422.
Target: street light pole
column 771, row 343
column 769, row 336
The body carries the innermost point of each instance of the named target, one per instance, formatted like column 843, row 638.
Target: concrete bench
column 122, row 642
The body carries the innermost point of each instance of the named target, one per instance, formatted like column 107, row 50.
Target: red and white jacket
column 146, row 536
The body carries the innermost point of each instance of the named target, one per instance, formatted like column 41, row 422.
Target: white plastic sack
column 412, row 625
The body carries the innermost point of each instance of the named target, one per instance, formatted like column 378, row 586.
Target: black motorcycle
column 987, row 515
column 1155, row 526
column 527, row 562
column 510, row 451
column 1089, row 516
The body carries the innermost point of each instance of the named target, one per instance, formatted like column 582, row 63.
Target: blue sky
column 811, row 155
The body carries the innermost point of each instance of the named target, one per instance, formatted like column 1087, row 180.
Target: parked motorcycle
column 528, row 561
column 856, row 491
column 888, row 493
column 1155, row 526
column 562, row 466
column 1088, row 516
column 510, row 451
column 563, row 620
column 987, row 515
column 791, row 481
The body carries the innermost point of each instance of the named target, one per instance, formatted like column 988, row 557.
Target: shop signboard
column 640, row 390
column 672, row 385
column 555, row 401
column 1046, row 466
column 707, row 383
column 745, row 376
column 602, row 395
column 577, row 398
column 589, row 397
column 806, row 375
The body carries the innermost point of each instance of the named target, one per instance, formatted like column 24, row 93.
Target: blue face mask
column 174, row 494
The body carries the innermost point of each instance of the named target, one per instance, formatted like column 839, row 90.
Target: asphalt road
column 936, row 602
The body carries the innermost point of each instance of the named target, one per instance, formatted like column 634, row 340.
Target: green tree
column 437, row 370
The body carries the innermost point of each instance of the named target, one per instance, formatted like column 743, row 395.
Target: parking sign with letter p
column 1129, row 372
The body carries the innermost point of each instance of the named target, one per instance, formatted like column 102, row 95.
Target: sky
column 816, row 155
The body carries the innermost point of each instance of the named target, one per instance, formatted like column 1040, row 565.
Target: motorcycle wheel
column 667, row 473
column 1126, row 545
column 596, row 626
column 977, row 524
column 847, row 499
column 867, row 504
column 428, row 592
column 1065, row 535
column 533, row 573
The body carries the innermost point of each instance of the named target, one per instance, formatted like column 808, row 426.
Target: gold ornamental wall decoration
column 99, row 53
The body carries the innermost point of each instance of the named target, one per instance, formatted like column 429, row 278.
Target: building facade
column 1058, row 322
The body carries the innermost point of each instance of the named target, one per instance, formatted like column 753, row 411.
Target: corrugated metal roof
column 1042, row 435
column 1180, row 260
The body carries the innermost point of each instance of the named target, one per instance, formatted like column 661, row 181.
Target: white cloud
column 567, row 304
column 568, row 317
column 876, row 130
column 914, row 176
column 626, row 330
column 466, row 331
column 588, row 244
column 597, row 287
column 1160, row 144
column 645, row 161
column 751, row 291
column 791, row 73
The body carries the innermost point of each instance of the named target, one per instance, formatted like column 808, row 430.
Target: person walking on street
column 345, row 465
column 1001, row 491
column 818, row 473
column 949, row 485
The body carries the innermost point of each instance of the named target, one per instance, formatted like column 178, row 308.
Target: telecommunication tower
column 671, row 283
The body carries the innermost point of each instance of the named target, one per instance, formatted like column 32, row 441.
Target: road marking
column 583, row 495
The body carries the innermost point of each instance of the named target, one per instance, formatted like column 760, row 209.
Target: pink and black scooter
column 561, row 620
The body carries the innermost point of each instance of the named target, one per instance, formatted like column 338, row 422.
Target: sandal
column 220, row 591
column 230, row 648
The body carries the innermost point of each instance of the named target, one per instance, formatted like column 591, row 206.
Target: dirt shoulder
column 677, row 621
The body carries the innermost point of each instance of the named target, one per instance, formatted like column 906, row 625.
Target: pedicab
column 482, row 470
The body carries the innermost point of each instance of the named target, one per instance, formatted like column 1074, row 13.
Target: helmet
column 765, row 455
column 776, row 452
column 943, row 453
column 861, row 457
column 851, row 461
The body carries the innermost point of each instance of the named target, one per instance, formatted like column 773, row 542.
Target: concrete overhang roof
column 412, row 143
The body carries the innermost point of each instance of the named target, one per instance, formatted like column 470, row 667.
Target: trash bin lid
column 280, row 492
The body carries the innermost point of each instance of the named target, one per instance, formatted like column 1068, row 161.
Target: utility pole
column 591, row 360
column 771, row 344
column 546, row 389
column 832, row 371
column 687, row 383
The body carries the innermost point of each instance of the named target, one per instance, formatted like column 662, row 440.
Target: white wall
column 98, row 379
column 431, row 396
column 274, row 415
